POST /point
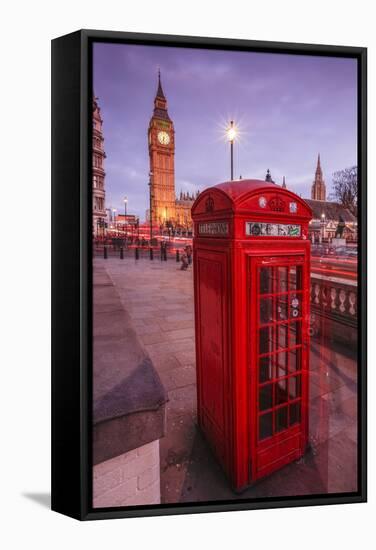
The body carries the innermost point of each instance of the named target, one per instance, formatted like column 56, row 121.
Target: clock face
column 163, row 138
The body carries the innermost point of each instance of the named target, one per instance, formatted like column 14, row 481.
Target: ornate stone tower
column 99, row 209
column 318, row 192
column 161, row 136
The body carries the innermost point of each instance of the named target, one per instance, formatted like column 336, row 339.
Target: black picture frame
column 72, row 273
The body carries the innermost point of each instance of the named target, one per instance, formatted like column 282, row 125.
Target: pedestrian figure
column 184, row 261
column 189, row 253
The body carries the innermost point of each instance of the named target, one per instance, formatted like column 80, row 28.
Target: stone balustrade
column 334, row 300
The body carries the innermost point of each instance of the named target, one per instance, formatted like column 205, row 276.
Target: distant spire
column 318, row 191
column 318, row 167
column 284, row 183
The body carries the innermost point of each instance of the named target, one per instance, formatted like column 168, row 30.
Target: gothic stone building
column 166, row 208
column 326, row 214
column 99, row 209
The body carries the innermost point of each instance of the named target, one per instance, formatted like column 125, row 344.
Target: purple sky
column 288, row 109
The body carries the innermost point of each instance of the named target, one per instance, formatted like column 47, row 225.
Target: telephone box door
column 279, row 361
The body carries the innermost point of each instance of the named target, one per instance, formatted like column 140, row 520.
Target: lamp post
column 322, row 226
column 231, row 134
column 150, row 206
column 114, row 220
column 125, row 215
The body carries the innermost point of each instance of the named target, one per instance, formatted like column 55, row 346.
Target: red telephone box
column 251, row 282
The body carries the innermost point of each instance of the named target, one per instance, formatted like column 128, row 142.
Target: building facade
column 325, row 219
column 183, row 207
column 98, row 155
column 166, row 209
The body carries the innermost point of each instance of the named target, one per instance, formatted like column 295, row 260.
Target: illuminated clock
column 163, row 138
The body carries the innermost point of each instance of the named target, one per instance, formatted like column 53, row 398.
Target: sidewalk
column 159, row 299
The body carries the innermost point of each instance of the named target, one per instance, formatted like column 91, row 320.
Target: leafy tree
column 345, row 188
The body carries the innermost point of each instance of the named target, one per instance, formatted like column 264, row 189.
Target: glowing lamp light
column 231, row 132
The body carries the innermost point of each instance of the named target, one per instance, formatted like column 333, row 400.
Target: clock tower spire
column 161, row 136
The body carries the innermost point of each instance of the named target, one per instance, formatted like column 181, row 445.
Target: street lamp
column 125, row 215
column 150, row 207
column 231, row 135
column 138, row 228
column 322, row 226
column 114, row 219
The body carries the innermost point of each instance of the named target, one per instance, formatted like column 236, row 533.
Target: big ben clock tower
column 161, row 136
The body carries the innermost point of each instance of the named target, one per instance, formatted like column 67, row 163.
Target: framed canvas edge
column 86, row 511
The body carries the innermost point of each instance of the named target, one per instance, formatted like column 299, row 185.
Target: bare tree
column 345, row 188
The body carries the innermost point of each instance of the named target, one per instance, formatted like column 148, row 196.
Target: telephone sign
column 273, row 229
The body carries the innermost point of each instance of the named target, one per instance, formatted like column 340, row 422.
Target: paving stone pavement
column 159, row 299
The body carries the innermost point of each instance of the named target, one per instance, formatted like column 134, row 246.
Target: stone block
column 148, row 477
column 121, row 495
column 129, row 479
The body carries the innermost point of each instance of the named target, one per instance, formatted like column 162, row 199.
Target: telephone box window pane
column 266, row 397
column 266, row 340
column 281, row 391
column 266, row 310
column 281, row 332
column 282, row 279
column 281, row 363
column 266, row 280
column 294, row 412
column 295, row 333
column 299, row 277
column 266, row 369
column 295, row 278
column 295, row 386
column 295, row 305
column 295, row 360
column 281, row 308
column 281, row 419
column 265, row 425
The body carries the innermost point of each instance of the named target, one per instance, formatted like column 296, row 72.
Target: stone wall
column 129, row 479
